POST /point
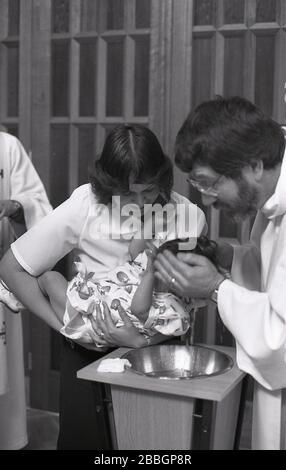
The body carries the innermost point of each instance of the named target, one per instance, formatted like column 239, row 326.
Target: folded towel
column 113, row 365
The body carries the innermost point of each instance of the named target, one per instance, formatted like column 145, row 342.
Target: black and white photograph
column 142, row 228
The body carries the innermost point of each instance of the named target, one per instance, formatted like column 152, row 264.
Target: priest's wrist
column 214, row 292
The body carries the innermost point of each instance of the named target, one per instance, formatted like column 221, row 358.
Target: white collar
column 276, row 204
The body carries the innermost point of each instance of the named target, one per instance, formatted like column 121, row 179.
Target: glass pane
column 233, row 11
column 12, row 81
column 204, row 12
column 142, row 58
column 14, row 17
column 88, row 15
column 60, row 16
column 143, row 12
column 86, row 152
column 265, row 11
column 202, row 70
column 264, row 72
column 59, row 166
column 60, row 78
column 87, row 79
column 234, row 66
column 227, row 228
column 115, row 14
column 114, row 85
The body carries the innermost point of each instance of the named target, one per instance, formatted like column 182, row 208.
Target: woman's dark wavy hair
column 227, row 135
column 130, row 151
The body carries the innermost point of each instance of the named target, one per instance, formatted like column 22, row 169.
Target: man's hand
column 127, row 335
column 188, row 274
column 8, row 208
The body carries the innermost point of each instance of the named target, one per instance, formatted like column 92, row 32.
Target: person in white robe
column 23, row 202
column 235, row 156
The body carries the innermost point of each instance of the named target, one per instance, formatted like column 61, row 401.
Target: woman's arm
column 142, row 298
column 27, row 290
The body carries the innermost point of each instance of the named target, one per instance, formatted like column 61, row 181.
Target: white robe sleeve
column 257, row 319
column 26, row 186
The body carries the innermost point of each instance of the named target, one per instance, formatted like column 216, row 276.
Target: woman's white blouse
column 82, row 225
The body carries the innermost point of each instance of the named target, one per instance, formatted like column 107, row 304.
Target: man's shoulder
column 9, row 146
column 8, row 139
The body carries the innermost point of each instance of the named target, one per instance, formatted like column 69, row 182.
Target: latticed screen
column 70, row 70
column 236, row 41
column 10, row 68
column 100, row 54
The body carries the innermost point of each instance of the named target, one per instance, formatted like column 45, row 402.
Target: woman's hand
column 188, row 274
column 127, row 335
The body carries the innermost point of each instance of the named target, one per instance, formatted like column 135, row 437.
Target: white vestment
column 20, row 182
column 253, row 308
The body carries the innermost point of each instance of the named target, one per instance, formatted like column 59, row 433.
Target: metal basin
column 178, row 362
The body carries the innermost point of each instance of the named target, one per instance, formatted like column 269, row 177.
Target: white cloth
column 253, row 308
column 19, row 182
column 113, row 365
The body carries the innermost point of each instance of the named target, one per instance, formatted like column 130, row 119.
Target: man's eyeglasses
column 207, row 190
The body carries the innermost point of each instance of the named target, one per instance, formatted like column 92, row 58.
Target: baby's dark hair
column 204, row 247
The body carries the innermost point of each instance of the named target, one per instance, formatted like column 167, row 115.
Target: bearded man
column 235, row 156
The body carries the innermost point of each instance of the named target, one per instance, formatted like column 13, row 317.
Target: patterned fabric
column 168, row 314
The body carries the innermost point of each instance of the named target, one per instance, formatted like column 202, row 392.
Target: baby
column 129, row 286
column 151, row 305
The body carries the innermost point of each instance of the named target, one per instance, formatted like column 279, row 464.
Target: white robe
column 253, row 308
column 20, row 182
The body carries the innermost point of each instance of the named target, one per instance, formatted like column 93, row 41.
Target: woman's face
column 140, row 194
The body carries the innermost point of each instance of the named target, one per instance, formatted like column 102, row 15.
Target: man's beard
column 245, row 205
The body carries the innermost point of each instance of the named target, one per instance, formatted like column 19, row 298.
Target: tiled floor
column 43, row 429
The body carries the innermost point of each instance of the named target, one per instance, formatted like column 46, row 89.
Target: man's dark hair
column 228, row 135
column 130, row 151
